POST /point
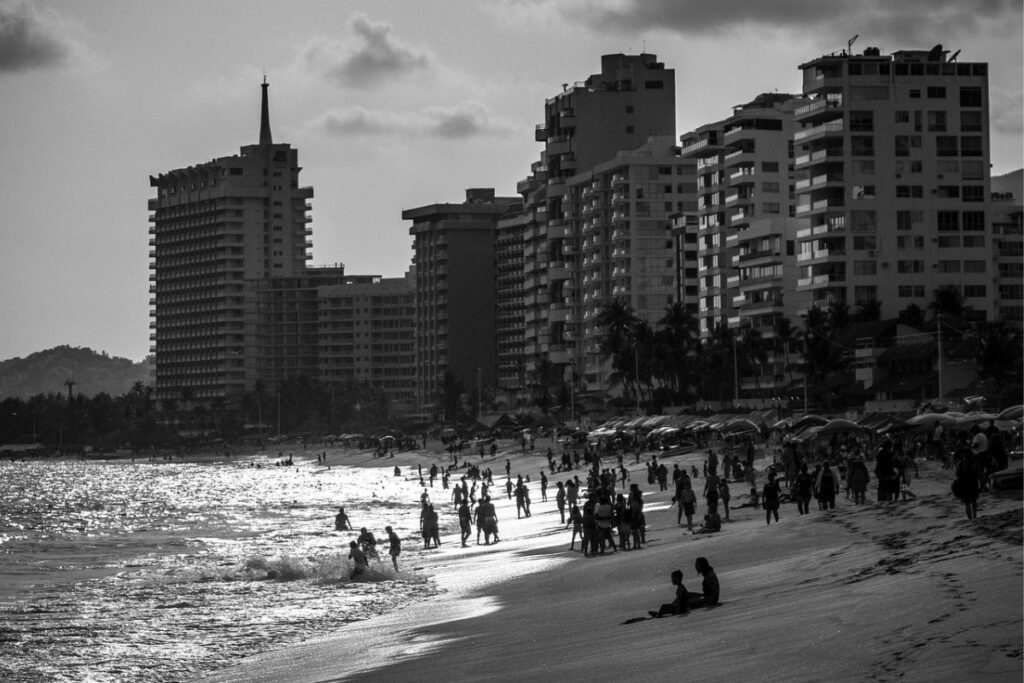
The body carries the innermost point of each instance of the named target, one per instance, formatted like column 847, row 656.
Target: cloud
column 925, row 21
column 31, row 39
column 369, row 56
column 466, row 120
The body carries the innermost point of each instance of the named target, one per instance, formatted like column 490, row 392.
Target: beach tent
column 1012, row 413
column 838, row 425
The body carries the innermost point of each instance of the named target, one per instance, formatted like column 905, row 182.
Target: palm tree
column 620, row 344
column 869, row 311
column 755, row 356
column 786, row 336
column 913, row 315
column 676, row 345
column 998, row 358
column 948, row 302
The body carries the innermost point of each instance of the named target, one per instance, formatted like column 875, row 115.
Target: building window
column 902, row 116
column 910, row 266
column 936, row 92
column 865, row 268
column 947, row 191
column 770, row 207
column 862, row 221
column 974, row 291
column 974, row 193
column 946, row 267
column 770, row 166
column 772, row 187
column 863, row 191
column 974, row 221
column 948, row 221
column 949, row 242
column 862, row 121
column 946, row 146
column 974, row 266
column 910, row 291
column 629, row 129
column 909, row 191
column 862, row 242
column 972, row 170
column 974, row 241
column 864, row 294
column 937, row 121
column 915, row 93
column 970, row 121
column 971, row 146
column 970, row 96
column 629, row 109
column 862, row 146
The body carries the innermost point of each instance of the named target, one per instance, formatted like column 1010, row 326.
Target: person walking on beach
column 770, row 499
column 724, row 495
column 576, row 520
column 859, row 478
column 803, row 489
column 827, row 486
column 487, row 520
column 560, row 500
column 967, row 485
column 465, row 522
column 543, row 487
column 603, row 519
column 687, row 506
column 394, row 546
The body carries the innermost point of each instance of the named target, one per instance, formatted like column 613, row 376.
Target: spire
column 265, row 137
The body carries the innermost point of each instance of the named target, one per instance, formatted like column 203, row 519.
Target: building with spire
column 213, row 227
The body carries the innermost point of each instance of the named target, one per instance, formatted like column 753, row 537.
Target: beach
column 907, row 590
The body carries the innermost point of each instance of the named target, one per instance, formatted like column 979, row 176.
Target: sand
column 908, row 590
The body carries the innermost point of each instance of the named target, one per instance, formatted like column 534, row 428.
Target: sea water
column 163, row 571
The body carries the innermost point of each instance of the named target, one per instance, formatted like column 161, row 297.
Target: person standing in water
column 395, row 546
column 341, row 522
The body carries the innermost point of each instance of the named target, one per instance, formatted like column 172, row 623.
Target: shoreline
column 908, row 589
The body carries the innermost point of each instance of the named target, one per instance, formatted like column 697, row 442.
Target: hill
column 1012, row 182
column 45, row 372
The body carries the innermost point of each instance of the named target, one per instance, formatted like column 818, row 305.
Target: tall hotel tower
column 214, row 226
column 566, row 228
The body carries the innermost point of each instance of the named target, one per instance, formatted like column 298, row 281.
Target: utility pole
column 938, row 328
column 479, row 395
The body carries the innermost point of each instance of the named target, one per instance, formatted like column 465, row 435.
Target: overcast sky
column 391, row 103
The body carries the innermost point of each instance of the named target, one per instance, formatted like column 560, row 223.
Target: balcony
column 541, row 132
column 808, row 134
column 820, row 205
column 818, row 156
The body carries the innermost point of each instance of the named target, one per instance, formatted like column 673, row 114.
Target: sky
column 392, row 104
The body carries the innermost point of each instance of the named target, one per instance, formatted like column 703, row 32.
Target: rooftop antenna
column 850, row 42
column 954, row 56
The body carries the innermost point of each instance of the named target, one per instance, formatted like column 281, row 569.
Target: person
column 359, row 562
column 603, row 519
column 341, row 522
column 724, row 495
column 859, row 478
column 394, row 547
column 826, row 486
column 465, row 521
column 804, row 489
column 967, row 484
column 688, row 506
column 487, row 520
column 576, row 519
column 710, row 591
column 543, row 486
column 367, row 543
column 712, row 523
column 430, row 527
column 560, row 500
column 770, row 499
column 681, row 604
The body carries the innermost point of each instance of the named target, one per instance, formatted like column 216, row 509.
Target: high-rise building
column 454, row 249
column 892, row 159
column 213, row 227
column 587, row 124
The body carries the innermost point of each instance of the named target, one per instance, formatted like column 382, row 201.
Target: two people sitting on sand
column 685, row 600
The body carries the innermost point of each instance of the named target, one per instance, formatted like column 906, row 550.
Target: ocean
column 166, row 571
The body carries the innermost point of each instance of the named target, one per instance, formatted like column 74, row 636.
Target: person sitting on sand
column 710, row 595
column 712, row 523
column 681, row 605
column 359, row 562
column 341, row 521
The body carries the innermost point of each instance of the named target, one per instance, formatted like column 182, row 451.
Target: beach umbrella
column 1012, row 413
column 975, row 419
column 740, row 426
column 838, row 426
column 931, row 419
column 809, row 421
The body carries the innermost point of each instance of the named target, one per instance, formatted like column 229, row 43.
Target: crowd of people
column 605, row 510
